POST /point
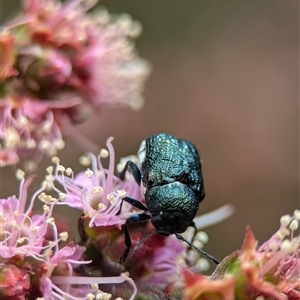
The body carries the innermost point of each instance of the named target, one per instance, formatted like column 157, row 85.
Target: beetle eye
column 150, row 183
column 183, row 178
column 164, row 182
column 162, row 224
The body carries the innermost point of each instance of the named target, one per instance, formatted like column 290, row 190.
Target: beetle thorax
column 172, row 206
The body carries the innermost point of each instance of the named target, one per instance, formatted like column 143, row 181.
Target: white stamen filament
column 86, row 280
column 110, row 176
column 214, row 217
column 34, row 196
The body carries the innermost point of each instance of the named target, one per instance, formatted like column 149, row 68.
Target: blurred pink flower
column 157, row 261
column 271, row 271
column 198, row 287
column 60, row 63
column 30, row 128
column 7, row 55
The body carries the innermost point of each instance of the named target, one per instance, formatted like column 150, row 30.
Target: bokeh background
column 226, row 77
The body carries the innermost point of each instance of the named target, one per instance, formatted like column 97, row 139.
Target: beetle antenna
column 180, row 237
column 140, row 243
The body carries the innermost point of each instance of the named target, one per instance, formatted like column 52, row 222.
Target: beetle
column 173, row 184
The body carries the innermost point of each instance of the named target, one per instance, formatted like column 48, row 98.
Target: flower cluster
column 46, row 265
column 59, row 62
column 270, row 272
column 155, row 261
column 98, row 193
column 53, row 268
column 34, row 265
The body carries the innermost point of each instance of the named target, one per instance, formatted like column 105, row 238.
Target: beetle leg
column 192, row 224
column 134, row 203
column 133, row 219
column 133, row 169
column 81, row 231
column 180, row 237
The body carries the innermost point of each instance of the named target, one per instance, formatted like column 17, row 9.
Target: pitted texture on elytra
column 168, row 159
column 178, row 200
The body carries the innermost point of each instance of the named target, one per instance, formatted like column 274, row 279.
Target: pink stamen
column 132, row 284
column 110, row 175
column 271, row 262
column 24, row 185
column 84, row 200
column 83, row 262
column 86, row 280
column 94, row 178
column 57, row 296
column 55, row 237
column 29, row 209
column 101, row 169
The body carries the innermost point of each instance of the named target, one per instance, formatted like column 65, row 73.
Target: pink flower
column 271, row 271
column 32, row 244
column 155, row 261
column 30, row 128
column 16, row 283
column 7, row 56
column 281, row 256
column 66, row 63
column 91, row 52
column 106, row 69
column 97, row 192
column 110, row 71
column 42, row 68
column 22, row 235
column 198, row 287
column 33, row 266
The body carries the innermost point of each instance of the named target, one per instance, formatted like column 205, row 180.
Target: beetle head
column 166, row 224
column 172, row 206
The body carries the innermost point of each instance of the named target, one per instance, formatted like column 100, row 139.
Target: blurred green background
column 226, row 77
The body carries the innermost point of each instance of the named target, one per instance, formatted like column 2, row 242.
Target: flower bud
column 44, row 68
column 7, row 55
column 15, row 282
